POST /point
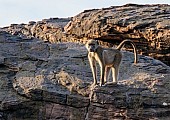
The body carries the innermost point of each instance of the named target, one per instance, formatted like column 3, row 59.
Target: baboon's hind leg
column 107, row 74
column 115, row 72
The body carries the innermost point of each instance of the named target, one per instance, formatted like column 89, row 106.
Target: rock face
column 40, row 80
column 47, row 30
column 147, row 25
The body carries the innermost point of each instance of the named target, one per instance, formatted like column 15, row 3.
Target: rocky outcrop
column 47, row 30
column 40, row 80
column 147, row 25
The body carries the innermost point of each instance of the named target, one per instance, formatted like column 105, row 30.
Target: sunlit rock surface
column 147, row 25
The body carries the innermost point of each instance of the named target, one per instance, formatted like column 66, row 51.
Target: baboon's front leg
column 93, row 69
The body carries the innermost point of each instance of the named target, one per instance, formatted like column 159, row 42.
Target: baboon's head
column 92, row 45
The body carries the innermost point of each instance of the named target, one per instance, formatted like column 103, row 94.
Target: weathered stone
column 40, row 80
column 55, row 97
column 77, row 101
column 147, row 25
column 62, row 112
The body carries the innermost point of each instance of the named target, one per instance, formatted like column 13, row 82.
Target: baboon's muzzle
column 92, row 50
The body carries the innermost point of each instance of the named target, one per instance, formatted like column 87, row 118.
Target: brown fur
column 108, row 59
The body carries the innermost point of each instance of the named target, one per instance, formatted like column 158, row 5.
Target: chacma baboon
column 108, row 59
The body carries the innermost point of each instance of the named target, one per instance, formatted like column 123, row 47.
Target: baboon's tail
column 133, row 45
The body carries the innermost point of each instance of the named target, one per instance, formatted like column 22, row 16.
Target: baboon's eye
column 91, row 44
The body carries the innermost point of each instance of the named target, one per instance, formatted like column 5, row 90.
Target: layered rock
column 147, row 25
column 47, row 30
column 40, row 80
